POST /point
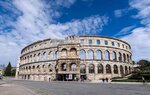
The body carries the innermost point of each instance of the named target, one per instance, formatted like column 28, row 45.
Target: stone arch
column 115, row 69
column 82, row 54
column 90, row 54
column 63, row 67
column 120, row 57
column 34, row 58
column 82, row 68
column 126, row 70
column 107, row 55
column 64, row 52
column 57, row 54
column 98, row 54
column 51, row 55
column 121, row 70
column 108, row 69
column 128, row 58
column 73, row 67
column 50, row 66
column 39, row 56
column 73, row 52
column 114, row 56
column 100, row 68
column 30, row 58
column 91, row 68
column 44, row 55
column 124, row 57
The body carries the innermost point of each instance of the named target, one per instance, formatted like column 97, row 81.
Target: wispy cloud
column 35, row 20
column 120, row 12
column 125, row 31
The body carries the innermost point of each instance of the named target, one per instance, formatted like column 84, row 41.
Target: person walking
column 143, row 79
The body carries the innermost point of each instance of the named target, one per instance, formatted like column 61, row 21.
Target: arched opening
column 34, row 57
column 82, row 68
column 128, row 58
column 51, row 54
column 107, row 55
column 64, row 67
column 50, row 67
column 126, row 70
column 64, row 52
column 73, row 67
column 44, row 56
column 91, row 68
column 114, row 57
column 124, row 57
column 90, row 54
column 73, row 52
column 82, row 54
column 108, row 69
column 120, row 57
column 100, row 68
column 98, row 55
column 121, row 70
column 38, row 68
column 57, row 54
column 39, row 57
column 30, row 58
column 115, row 69
column 129, row 69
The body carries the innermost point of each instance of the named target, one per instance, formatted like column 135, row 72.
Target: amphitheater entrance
column 66, row 77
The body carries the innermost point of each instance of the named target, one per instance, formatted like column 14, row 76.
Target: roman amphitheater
column 75, row 57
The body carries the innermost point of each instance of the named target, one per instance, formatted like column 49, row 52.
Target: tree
column 8, row 70
column 144, row 64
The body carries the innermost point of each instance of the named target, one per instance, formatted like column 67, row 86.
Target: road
column 77, row 88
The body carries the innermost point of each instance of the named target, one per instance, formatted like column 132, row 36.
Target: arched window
column 82, row 68
column 30, row 58
column 38, row 68
column 114, row 56
column 44, row 56
column 57, row 54
column 34, row 57
column 51, row 54
column 73, row 52
column 90, row 54
column 129, row 69
column 82, row 54
column 64, row 52
column 100, row 68
column 64, row 67
column 39, row 57
column 120, row 57
column 73, row 67
column 91, row 68
column 108, row 69
column 107, row 55
column 115, row 69
column 128, row 58
column 124, row 57
column 126, row 70
column 98, row 54
column 50, row 67
column 121, row 70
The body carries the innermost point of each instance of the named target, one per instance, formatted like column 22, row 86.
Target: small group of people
column 105, row 79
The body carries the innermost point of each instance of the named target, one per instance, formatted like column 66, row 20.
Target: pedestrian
column 107, row 80
column 103, row 80
column 143, row 79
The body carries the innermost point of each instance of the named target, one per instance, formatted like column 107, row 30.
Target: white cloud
column 120, row 12
column 37, row 21
column 140, row 36
column 124, row 31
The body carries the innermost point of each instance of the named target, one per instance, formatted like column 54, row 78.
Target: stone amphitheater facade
column 75, row 57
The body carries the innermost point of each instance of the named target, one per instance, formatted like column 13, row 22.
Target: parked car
column 1, row 76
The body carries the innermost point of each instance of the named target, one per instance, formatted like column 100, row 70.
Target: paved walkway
column 13, row 89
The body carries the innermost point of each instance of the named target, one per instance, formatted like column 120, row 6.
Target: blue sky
column 25, row 21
